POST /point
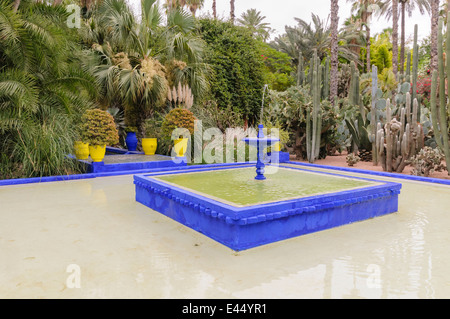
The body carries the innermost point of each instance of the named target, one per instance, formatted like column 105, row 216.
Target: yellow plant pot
column 180, row 146
column 81, row 150
column 276, row 147
column 97, row 152
column 149, row 145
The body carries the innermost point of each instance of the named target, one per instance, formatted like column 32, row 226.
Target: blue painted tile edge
column 313, row 201
column 368, row 172
column 244, row 227
column 60, row 178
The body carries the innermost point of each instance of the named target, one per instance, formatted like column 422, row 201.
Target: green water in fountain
column 238, row 186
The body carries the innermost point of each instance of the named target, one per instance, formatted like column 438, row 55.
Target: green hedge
column 235, row 57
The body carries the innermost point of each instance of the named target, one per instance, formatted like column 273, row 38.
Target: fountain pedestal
column 261, row 143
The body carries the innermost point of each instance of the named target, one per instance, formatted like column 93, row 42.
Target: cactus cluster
column 352, row 159
column 399, row 139
column 398, row 129
column 427, row 161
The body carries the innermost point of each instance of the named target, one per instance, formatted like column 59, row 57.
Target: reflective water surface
column 238, row 186
column 90, row 239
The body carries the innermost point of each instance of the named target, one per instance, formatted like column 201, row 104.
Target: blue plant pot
column 131, row 141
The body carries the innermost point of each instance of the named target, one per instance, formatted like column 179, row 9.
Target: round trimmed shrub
column 178, row 118
column 98, row 128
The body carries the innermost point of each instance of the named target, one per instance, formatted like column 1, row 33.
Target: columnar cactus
column 300, row 71
column 373, row 119
column 353, row 91
column 439, row 113
column 408, row 68
column 326, row 80
column 313, row 117
column 311, row 70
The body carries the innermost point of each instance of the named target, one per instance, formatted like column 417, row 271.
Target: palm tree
column 395, row 36
column 16, row 5
column 136, row 63
column 334, row 14
column 365, row 10
column 43, row 90
column 193, row 5
column 253, row 20
column 434, row 34
column 406, row 6
column 232, row 16
column 315, row 37
column 214, row 8
column 307, row 38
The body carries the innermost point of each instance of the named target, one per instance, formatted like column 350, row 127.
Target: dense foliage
column 238, row 78
column 290, row 109
column 43, row 90
column 160, row 67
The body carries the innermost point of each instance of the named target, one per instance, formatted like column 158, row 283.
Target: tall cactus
column 311, row 70
column 408, row 68
column 373, row 120
column 314, row 117
column 439, row 117
column 300, row 70
column 326, row 80
column 354, row 99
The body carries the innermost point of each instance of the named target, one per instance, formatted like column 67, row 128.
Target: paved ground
column 90, row 239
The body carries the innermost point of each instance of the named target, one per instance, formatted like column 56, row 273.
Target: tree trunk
column 214, row 9
column 434, row 34
column 395, row 36
column 334, row 51
column 232, row 11
column 446, row 12
column 365, row 17
column 368, row 48
column 16, row 5
column 402, row 38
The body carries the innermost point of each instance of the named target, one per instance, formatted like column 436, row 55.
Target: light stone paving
column 91, row 239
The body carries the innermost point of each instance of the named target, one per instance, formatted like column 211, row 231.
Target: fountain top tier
column 260, row 142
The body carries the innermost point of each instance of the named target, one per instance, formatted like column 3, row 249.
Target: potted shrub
column 150, row 140
column 178, row 118
column 99, row 130
column 81, row 150
column 131, row 138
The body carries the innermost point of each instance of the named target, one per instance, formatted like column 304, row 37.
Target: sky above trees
column 286, row 10
column 283, row 12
